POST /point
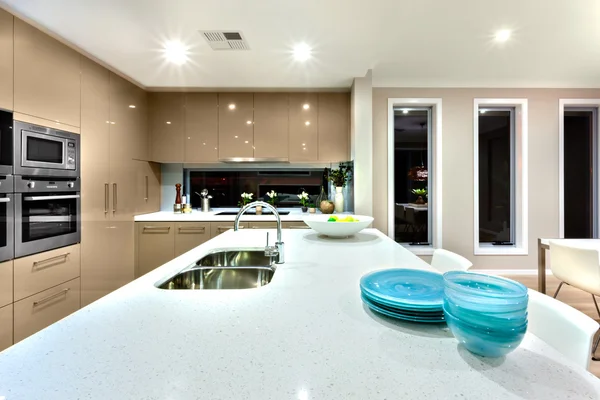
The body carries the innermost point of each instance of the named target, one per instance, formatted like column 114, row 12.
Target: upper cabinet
column 201, row 128
column 6, row 60
column 271, row 125
column 236, row 125
column 334, row 127
column 47, row 82
column 304, row 134
column 166, row 126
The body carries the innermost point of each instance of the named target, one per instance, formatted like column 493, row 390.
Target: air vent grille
column 225, row 40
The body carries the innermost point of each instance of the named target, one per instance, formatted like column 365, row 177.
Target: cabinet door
column 262, row 225
column 166, row 126
column 295, row 225
column 236, row 128
column 148, row 187
column 47, row 76
column 139, row 117
column 271, row 125
column 6, row 327
column 6, row 62
column 189, row 235
column 6, row 283
column 304, row 139
column 156, row 245
column 334, row 127
column 43, row 309
column 201, row 127
column 216, row 228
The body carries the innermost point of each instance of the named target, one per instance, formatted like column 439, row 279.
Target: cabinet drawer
column 189, row 235
column 43, row 309
column 6, row 327
column 262, row 225
column 295, row 225
column 6, row 283
column 216, row 228
column 42, row 271
column 156, row 245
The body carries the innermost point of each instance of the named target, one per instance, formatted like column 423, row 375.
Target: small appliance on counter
column 204, row 200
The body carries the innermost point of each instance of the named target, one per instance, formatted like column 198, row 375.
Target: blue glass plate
column 405, row 288
column 404, row 317
column 423, row 311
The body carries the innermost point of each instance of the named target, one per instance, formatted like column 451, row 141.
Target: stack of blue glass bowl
column 488, row 314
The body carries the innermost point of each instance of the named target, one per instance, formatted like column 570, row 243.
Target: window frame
column 573, row 104
column 519, row 178
column 434, row 168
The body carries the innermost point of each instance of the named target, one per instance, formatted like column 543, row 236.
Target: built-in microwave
column 42, row 151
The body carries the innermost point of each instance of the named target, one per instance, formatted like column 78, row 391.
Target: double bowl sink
column 225, row 269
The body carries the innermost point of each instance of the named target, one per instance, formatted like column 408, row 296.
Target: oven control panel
column 71, row 154
column 37, row 184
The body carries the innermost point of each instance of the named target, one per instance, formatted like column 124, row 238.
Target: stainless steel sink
column 227, row 269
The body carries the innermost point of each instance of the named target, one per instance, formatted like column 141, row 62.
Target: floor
column 573, row 297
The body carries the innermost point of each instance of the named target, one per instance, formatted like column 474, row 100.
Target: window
column 500, row 173
column 414, row 173
column 578, row 168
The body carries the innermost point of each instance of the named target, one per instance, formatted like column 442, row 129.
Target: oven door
column 46, row 221
column 7, row 214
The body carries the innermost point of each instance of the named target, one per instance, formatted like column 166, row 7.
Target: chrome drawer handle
column 56, row 258
column 4, row 200
column 52, row 296
column 201, row 229
column 106, row 198
column 226, row 228
column 58, row 197
column 157, row 228
column 299, row 227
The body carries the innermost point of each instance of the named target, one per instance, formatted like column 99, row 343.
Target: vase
column 304, row 209
column 339, row 199
column 258, row 210
column 312, row 210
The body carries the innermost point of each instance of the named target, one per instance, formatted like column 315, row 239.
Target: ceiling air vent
column 225, row 40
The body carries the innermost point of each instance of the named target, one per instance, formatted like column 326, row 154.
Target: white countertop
column 295, row 214
column 306, row 335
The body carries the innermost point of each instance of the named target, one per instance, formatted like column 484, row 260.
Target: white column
column 361, row 143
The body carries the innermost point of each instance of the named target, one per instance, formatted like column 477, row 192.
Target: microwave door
column 43, row 151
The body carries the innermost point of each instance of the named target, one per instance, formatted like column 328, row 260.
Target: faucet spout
column 279, row 243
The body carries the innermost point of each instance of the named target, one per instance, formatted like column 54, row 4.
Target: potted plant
column 246, row 198
column 311, row 208
column 339, row 177
column 304, row 200
column 272, row 197
column 420, row 193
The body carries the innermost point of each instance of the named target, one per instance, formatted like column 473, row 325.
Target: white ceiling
column 413, row 43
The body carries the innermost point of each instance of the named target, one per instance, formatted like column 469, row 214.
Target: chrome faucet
column 270, row 251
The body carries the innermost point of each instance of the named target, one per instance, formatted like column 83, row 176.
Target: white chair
column 568, row 330
column 444, row 261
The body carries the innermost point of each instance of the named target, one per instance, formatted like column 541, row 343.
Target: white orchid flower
column 250, row 195
column 272, row 194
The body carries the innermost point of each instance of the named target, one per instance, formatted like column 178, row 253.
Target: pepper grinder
column 177, row 205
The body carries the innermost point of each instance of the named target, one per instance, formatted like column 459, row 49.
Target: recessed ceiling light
column 232, row 106
column 306, row 106
column 405, row 111
column 235, row 137
column 502, row 35
column 303, row 144
column 132, row 106
column 307, row 123
column 302, row 52
column 176, row 52
column 168, row 122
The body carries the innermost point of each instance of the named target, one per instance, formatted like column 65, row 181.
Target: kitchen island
column 305, row 335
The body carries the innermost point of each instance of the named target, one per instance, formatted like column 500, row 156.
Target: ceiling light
column 405, row 111
column 232, row 106
column 168, row 122
column 249, row 122
column 235, row 137
column 132, row 106
column 176, row 52
column 306, row 106
column 303, row 144
column 307, row 123
column 302, row 52
column 246, row 141
column 502, row 35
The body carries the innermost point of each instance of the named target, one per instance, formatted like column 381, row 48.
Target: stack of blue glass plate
column 407, row 294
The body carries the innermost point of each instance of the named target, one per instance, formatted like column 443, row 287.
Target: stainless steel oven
column 7, row 218
column 6, row 141
column 41, row 151
column 47, row 214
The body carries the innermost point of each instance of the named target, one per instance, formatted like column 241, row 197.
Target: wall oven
column 7, row 218
column 41, row 151
column 6, row 141
column 47, row 214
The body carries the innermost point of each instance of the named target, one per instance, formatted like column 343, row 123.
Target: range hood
column 238, row 160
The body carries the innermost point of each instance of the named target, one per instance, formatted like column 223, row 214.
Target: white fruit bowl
column 337, row 229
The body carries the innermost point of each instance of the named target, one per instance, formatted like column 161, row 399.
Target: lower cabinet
column 36, row 312
column 155, row 245
column 189, row 235
column 216, row 228
column 295, row 225
column 6, row 283
column 262, row 225
column 6, row 326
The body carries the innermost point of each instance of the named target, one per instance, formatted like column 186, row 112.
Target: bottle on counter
column 177, row 208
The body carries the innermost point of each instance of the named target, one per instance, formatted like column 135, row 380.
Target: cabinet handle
column 114, row 198
column 52, row 296
column 157, row 228
column 183, row 229
column 226, row 228
column 146, row 198
column 299, row 227
column 65, row 256
column 106, row 198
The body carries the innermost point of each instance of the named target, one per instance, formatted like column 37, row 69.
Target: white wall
column 361, row 143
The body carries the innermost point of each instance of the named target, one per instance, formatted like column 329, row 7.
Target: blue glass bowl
column 497, row 321
column 481, row 285
column 490, row 305
column 481, row 342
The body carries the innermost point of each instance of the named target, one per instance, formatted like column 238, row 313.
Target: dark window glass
column 579, row 173
column 411, row 173
column 42, row 150
column 48, row 218
column 495, row 175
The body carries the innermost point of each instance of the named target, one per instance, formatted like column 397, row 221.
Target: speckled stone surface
column 304, row 336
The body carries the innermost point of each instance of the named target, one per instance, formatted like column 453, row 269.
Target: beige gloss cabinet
column 6, row 62
column 216, row 228
column 189, row 235
column 236, row 127
column 6, row 283
column 201, row 128
column 6, row 326
column 36, row 312
column 271, row 125
column 334, row 127
column 155, row 245
column 166, row 119
column 47, row 80
column 304, row 135
column 262, row 225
